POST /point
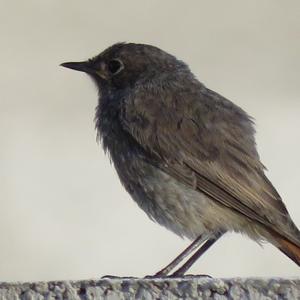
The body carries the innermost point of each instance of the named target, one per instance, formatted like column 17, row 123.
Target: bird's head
column 124, row 64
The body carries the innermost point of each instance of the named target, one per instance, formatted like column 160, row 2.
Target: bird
column 185, row 154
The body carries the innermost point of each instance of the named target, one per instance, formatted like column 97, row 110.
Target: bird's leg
column 181, row 271
column 194, row 245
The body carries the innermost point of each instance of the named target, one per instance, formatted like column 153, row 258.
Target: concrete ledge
column 188, row 287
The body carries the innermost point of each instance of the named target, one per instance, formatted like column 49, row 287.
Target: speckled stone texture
column 188, row 287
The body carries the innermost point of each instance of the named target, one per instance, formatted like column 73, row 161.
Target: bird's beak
column 83, row 66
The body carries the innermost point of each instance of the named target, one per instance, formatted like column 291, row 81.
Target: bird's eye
column 115, row 66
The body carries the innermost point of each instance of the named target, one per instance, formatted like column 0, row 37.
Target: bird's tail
column 289, row 249
column 289, row 246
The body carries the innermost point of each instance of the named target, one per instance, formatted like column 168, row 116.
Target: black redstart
column 184, row 153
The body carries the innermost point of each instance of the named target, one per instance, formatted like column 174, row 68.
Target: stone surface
column 188, row 287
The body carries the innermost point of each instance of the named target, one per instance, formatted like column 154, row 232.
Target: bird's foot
column 155, row 276
column 174, row 275
column 179, row 275
column 110, row 277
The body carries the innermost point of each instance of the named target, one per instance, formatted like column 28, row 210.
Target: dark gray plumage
column 184, row 153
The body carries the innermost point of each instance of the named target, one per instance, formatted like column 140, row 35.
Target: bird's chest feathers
column 108, row 123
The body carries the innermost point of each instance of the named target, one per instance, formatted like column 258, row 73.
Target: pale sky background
column 64, row 214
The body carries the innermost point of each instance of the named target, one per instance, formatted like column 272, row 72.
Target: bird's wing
column 206, row 142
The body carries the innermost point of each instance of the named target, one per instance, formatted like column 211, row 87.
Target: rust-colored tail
column 289, row 249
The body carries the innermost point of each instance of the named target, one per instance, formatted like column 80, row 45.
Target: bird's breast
column 172, row 204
